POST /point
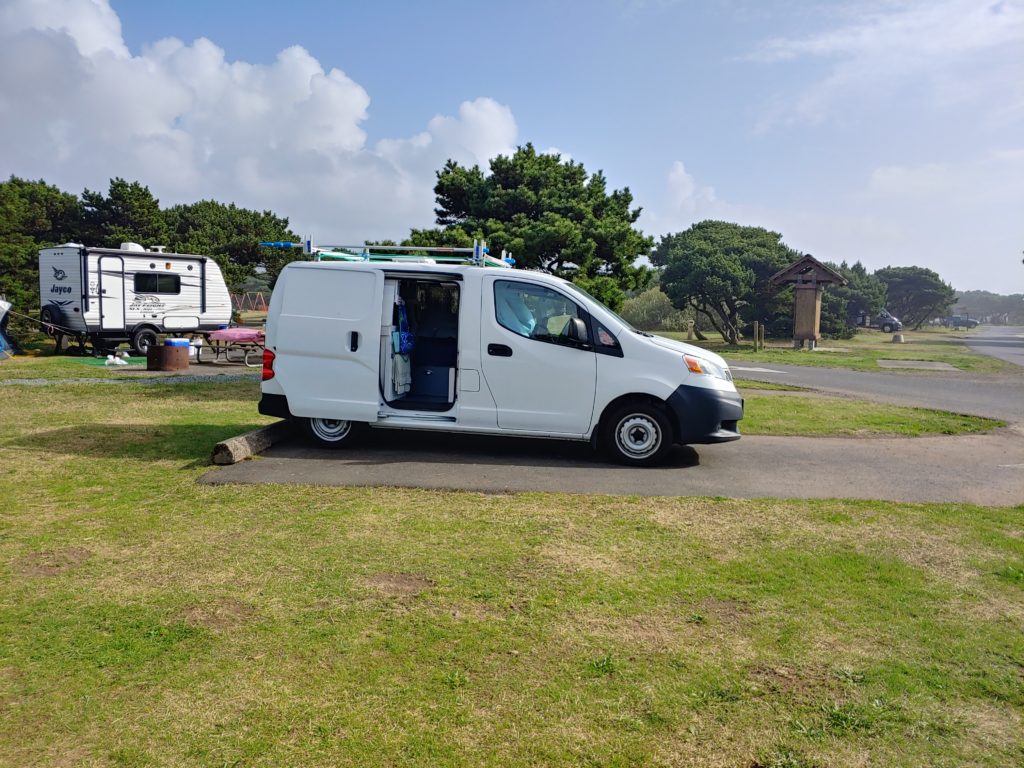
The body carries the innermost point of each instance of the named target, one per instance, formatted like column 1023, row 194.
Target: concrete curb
column 235, row 449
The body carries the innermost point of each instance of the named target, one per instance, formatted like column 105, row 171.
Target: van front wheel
column 333, row 433
column 638, row 434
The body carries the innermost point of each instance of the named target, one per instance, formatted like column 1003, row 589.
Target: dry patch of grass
column 53, row 562
column 572, row 556
column 220, row 615
column 399, row 585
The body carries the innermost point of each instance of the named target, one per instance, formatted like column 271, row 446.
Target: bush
column 653, row 311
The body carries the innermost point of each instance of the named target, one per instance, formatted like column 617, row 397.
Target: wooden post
column 689, row 330
column 756, row 332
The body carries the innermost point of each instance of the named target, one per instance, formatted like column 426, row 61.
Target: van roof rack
column 478, row 255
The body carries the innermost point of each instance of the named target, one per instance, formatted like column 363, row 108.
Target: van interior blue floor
column 422, row 403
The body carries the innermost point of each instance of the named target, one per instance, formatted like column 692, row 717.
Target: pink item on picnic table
column 240, row 335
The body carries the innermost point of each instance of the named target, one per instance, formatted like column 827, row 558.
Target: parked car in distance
column 959, row 321
column 885, row 321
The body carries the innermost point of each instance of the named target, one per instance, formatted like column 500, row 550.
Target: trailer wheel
column 333, row 433
column 142, row 340
column 50, row 317
column 637, row 434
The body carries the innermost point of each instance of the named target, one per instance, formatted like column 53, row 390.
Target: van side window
column 157, row 282
column 605, row 341
column 534, row 311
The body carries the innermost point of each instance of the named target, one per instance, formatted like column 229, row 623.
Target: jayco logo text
column 60, row 289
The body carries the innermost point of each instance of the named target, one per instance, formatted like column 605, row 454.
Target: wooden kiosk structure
column 809, row 277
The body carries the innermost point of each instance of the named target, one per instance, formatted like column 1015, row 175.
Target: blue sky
column 881, row 130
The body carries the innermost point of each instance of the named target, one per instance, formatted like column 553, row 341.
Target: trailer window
column 157, row 282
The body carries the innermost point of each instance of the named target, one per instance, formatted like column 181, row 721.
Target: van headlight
column 707, row 368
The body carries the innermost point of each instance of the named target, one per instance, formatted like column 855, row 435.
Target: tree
column 551, row 214
column 33, row 215
column 720, row 269
column 842, row 305
column 231, row 235
column 129, row 213
column 916, row 294
column 986, row 304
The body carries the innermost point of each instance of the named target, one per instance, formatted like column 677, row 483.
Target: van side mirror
column 577, row 331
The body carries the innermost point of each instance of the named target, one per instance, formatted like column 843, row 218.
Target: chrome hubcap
column 330, row 430
column 638, row 436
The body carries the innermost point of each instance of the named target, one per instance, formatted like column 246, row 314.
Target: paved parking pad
column 981, row 469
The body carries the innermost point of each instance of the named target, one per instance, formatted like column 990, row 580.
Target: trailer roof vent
column 131, row 247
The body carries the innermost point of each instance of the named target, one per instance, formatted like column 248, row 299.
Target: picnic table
column 233, row 345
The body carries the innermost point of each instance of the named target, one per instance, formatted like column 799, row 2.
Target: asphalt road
column 1004, row 342
column 979, row 469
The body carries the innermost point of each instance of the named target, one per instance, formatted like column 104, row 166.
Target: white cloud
column 183, row 119
column 684, row 196
column 682, row 202
column 954, row 51
column 91, row 24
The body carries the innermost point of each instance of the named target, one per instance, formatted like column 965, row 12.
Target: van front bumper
column 703, row 416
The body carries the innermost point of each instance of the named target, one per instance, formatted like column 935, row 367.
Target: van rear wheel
column 637, row 434
column 333, row 433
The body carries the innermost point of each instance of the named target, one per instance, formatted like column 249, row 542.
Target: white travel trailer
column 479, row 349
column 111, row 295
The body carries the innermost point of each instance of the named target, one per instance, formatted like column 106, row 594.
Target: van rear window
column 157, row 282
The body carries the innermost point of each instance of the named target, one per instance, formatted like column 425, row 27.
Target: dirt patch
column 219, row 615
column 723, row 610
column 803, row 683
column 399, row 584
column 54, row 562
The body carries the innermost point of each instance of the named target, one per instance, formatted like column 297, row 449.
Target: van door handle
column 499, row 350
column 354, row 345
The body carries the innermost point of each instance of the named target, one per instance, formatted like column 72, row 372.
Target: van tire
column 142, row 340
column 637, row 434
column 333, row 433
column 887, row 328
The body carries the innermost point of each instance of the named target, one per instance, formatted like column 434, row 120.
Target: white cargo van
column 482, row 350
column 110, row 295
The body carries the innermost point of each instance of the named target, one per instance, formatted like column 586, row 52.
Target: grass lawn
column 146, row 620
column 863, row 352
column 766, row 414
column 86, row 367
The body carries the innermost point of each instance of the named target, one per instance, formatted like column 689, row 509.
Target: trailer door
column 111, row 289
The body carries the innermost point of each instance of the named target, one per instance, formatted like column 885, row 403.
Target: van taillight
column 268, row 364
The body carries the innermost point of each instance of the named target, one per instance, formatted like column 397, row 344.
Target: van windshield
column 613, row 313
